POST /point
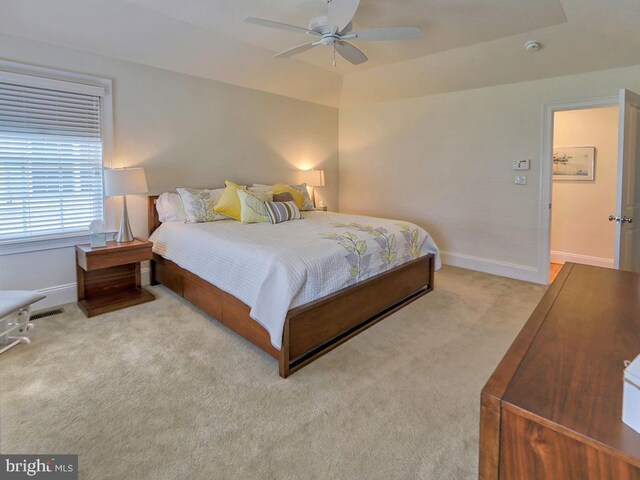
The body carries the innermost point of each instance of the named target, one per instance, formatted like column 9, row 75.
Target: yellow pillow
column 295, row 194
column 229, row 203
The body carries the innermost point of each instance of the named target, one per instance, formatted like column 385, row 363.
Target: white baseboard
column 58, row 295
column 562, row 257
column 61, row 294
column 495, row 267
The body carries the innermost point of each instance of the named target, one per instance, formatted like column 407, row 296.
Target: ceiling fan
column 334, row 29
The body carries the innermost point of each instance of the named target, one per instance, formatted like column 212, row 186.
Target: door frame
column 546, row 173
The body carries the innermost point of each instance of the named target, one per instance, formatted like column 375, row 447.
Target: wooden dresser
column 553, row 407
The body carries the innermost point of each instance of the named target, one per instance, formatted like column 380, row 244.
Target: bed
column 295, row 290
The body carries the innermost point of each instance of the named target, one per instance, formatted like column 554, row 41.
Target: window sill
column 35, row 245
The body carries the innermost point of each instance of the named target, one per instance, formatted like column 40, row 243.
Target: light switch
column 521, row 180
column 522, row 164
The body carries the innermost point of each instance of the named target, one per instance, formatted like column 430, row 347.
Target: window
column 51, row 158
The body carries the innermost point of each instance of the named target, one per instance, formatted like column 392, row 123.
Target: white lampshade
column 313, row 178
column 124, row 181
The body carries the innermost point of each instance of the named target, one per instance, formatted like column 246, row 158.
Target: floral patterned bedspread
column 357, row 241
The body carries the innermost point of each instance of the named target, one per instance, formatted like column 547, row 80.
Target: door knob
column 622, row 219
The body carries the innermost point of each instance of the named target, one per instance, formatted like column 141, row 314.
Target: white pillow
column 302, row 188
column 169, row 207
column 258, row 188
column 199, row 204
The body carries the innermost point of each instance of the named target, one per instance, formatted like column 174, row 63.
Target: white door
column 627, row 215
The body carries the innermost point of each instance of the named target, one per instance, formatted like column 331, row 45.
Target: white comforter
column 273, row 268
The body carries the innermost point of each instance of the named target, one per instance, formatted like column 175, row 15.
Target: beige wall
column 185, row 131
column 445, row 162
column 580, row 229
column 442, row 161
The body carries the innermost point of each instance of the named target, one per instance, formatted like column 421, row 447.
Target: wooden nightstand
column 109, row 278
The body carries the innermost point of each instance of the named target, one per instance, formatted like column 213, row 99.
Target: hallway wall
column 580, row 229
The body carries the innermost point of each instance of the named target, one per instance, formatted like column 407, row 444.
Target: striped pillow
column 282, row 211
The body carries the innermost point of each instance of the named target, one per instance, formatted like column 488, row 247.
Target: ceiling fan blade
column 341, row 12
column 350, row 53
column 346, row 29
column 375, row 34
column 280, row 26
column 296, row 50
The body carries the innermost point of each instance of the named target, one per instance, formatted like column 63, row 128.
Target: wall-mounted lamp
column 124, row 181
column 313, row 178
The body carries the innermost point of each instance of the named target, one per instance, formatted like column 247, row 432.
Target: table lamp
column 313, row 178
column 123, row 182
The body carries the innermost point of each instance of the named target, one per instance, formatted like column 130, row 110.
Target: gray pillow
column 282, row 197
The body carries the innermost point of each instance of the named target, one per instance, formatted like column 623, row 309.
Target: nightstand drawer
column 95, row 262
column 113, row 254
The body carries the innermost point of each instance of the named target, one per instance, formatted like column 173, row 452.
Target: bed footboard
column 318, row 327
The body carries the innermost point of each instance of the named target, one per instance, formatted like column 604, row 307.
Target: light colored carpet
column 160, row 391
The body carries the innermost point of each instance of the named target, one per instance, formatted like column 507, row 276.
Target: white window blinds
column 51, row 157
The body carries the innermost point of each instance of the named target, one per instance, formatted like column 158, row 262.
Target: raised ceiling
column 447, row 24
column 465, row 44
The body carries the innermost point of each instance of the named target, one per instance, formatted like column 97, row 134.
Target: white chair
column 15, row 312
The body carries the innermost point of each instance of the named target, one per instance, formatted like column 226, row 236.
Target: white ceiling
column 447, row 24
column 465, row 43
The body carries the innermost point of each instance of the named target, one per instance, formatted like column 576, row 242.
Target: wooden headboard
column 152, row 214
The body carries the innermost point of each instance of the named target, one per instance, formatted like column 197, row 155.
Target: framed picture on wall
column 574, row 163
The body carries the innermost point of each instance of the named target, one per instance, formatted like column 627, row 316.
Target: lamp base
column 124, row 234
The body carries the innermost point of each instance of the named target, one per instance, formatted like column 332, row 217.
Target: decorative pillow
column 308, row 204
column 283, row 197
column 170, row 208
column 304, row 203
column 297, row 196
column 199, row 204
column 282, row 211
column 229, row 203
column 252, row 208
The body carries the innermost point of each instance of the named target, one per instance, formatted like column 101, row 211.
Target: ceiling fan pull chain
column 334, row 57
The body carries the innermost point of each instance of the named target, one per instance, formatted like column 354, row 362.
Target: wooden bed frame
column 310, row 330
